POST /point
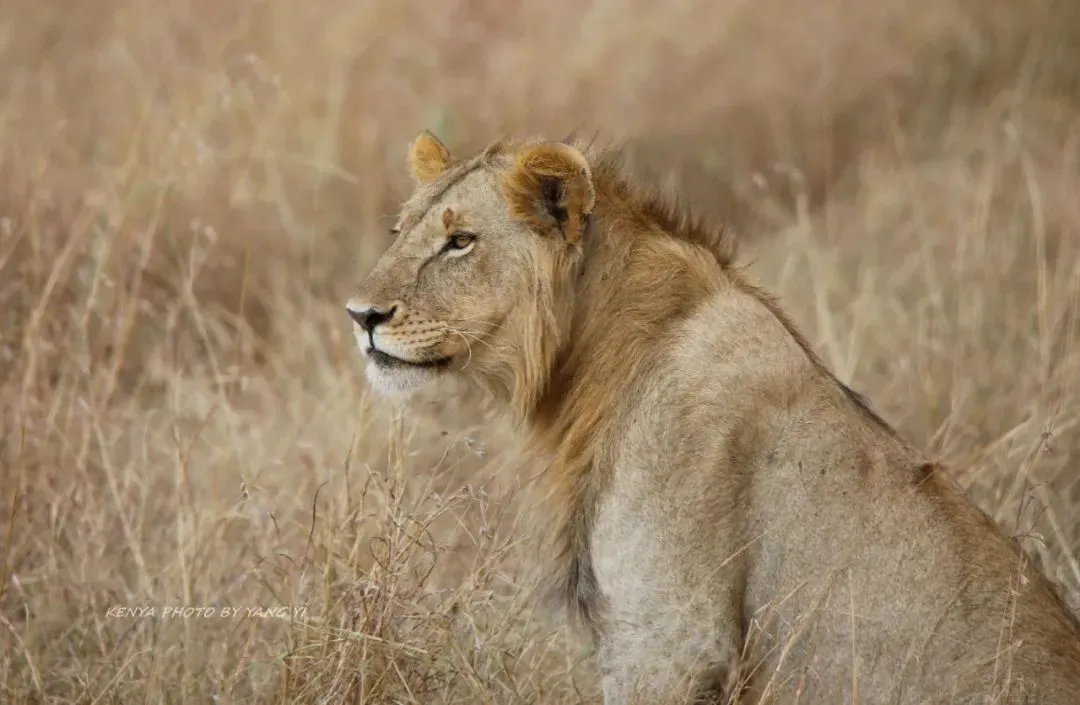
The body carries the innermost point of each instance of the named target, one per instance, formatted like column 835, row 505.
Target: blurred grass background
column 189, row 189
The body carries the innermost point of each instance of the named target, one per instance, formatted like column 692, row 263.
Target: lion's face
column 455, row 291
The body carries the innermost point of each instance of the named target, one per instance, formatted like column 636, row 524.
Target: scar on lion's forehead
column 417, row 206
column 453, row 218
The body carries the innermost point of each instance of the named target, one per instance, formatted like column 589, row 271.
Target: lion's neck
column 634, row 290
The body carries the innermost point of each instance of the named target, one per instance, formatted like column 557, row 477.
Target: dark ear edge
column 550, row 188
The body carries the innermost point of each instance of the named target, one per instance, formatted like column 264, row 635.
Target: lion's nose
column 369, row 318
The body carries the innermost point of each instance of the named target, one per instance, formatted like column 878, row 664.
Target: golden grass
column 190, row 188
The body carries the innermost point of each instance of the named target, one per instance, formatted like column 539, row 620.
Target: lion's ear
column 428, row 157
column 550, row 188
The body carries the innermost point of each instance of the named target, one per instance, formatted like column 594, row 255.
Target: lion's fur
column 718, row 490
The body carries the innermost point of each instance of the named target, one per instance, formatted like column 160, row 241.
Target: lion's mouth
column 389, row 361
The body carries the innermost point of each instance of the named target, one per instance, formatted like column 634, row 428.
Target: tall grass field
column 200, row 501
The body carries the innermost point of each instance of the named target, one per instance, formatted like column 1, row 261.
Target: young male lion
column 734, row 521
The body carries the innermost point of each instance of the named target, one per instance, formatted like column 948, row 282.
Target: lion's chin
column 398, row 381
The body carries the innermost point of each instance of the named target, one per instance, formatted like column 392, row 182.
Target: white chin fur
column 396, row 382
column 399, row 382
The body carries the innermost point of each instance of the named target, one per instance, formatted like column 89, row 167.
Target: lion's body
column 731, row 517
column 755, row 513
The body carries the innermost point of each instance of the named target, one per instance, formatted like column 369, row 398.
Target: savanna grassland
column 189, row 189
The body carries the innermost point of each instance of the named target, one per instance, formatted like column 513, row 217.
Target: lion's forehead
column 469, row 192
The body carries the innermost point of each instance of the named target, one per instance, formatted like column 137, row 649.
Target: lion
column 733, row 521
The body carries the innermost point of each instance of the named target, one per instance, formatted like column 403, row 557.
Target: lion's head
column 478, row 279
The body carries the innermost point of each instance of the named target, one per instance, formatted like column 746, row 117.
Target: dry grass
column 191, row 187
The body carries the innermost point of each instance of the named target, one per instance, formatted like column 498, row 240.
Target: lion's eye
column 459, row 241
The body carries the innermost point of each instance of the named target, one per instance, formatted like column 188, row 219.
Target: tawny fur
column 731, row 519
column 428, row 158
